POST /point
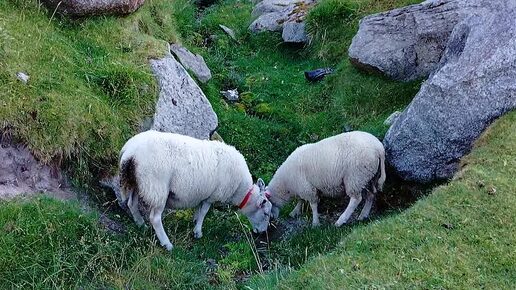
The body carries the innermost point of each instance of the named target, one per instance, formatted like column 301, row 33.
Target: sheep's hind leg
column 132, row 203
column 315, row 214
column 199, row 218
column 367, row 206
column 353, row 203
column 155, row 219
column 297, row 210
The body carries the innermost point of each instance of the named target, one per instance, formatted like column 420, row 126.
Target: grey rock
column 80, row 8
column 268, row 6
column 407, row 43
column 216, row 137
column 22, row 77
column 228, row 31
column 230, row 95
column 192, row 62
column 268, row 22
column 294, row 32
column 392, row 117
column 182, row 107
column 272, row 14
column 474, row 84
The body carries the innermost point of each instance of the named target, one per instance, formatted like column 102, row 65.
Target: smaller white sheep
column 348, row 163
column 176, row 171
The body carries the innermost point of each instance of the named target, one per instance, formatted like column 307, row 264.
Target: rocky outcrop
column 80, row 8
column 286, row 16
column 182, row 107
column 407, row 43
column 193, row 62
column 473, row 84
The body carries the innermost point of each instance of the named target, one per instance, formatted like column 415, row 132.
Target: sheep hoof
column 338, row 224
column 197, row 235
column 168, row 247
column 316, row 225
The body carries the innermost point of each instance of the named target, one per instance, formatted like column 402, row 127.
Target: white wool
column 345, row 163
column 176, row 171
column 191, row 170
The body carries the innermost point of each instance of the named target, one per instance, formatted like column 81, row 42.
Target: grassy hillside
column 461, row 236
column 90, row 87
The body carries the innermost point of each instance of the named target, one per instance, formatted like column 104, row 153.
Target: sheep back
column 182, row 170
column 340, row 164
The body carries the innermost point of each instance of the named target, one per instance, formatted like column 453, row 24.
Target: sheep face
column 258, row 209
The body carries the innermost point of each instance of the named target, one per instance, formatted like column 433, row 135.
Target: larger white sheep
column 349, row 163
column 176, row 171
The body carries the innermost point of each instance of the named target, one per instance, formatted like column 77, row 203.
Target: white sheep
column 348, row 163
column 177, row 171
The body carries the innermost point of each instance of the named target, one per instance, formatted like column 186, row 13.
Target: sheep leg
column 353, row 203
column 367, row 207
column 199, row 218
column 297, row 210
column 132, row 203
column 315, row 214
column 155, row 219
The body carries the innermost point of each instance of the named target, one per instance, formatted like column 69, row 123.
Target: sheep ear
column 261, row 184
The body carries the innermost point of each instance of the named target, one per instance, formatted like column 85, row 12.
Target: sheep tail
column 128, row 182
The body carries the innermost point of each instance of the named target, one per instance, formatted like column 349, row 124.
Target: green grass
column 90, row 86
column 90, row 83
column 460, row 236
column 279, row 110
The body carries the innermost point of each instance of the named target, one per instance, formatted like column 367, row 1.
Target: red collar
column 246, row 198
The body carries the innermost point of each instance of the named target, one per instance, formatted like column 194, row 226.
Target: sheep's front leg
column 315, row 214
column 199, row 218
column 132, row 203
column 353, row 203
column 297, row 210
column 155, row 219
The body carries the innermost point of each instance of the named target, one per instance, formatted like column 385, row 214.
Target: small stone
column 491, row 190
column 447, row 226
column 228, row 31
column 193, row 62
column 480, row 184
column 230, row 95
column 23, row 77
column 294, row 32
column 216, row 137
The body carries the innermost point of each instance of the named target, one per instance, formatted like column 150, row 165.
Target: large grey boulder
column 192, row 62
column 475, row 83
column 407, row 43
column 79, row 8
column 182, row 107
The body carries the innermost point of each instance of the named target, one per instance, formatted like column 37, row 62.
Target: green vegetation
column 90, row 87
column 461, row 236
